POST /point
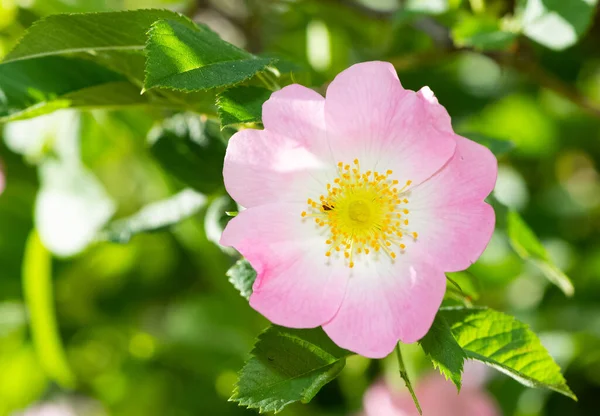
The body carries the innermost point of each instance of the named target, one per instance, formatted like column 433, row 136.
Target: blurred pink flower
column 2, row 179
column 437, row 396
column 357, row 204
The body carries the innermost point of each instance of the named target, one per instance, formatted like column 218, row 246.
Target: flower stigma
column 363, row 213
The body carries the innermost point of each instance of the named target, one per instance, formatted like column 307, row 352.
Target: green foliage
column 288, row 365
column 556, row 24
column 445, row 353
column 155, row 216
column 482, row 32
column 507, row 345
column 241, row 105
column 192, row 151
column 192, row 59
column 39, row 86
column 242, row 277
column 89, row 32
column 527, row 245
column 497, row 146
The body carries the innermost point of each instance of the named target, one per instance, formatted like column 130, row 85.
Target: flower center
column 363, row 213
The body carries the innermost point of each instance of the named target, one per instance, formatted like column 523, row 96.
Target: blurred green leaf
column 482, row 32
column 155, row 216
column 497, row 146
column 242, row 276
column 507, row 345
column 59, row 34
column 556, row 24
column 37, row 287
column 190, row 151
column 528, row 246
column 190, row 59
column 241, row 105
column 288, row 365
column 445, row 353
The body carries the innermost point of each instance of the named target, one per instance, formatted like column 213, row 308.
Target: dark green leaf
column 38, row 86
column 506, row 344
column 497, row 146
column 528, row 246
column 445, row 353
column 188, row 149
column 156, row 216
column 556, row 24
column 69, row 33
column 288, row 365
column 241, row 105
column 242, row 277
column 192, row 59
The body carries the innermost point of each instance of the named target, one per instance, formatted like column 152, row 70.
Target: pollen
column 363, row 214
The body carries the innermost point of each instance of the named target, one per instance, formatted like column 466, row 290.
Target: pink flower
column 437, row 396
column 2, row 180
column 357, row 204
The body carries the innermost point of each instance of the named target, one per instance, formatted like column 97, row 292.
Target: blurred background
column 149, row 321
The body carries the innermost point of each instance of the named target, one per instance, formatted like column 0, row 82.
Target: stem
column 404, row 376
column 37, row 288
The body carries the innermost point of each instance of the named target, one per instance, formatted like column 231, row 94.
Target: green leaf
column 191, row 59
column 496, row 145
column 241, row 105
column 61, row 34
column 507, row 345
column 445, row 353
column 482, row 32
column 287, row 365
column 38, row 86
column 556, row 24
column 192, row 150
column 527, row 245
column 242, row 277
column 155, row 216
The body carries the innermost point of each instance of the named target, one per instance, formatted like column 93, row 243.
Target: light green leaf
column 528, row 246
column 288, row 365
column 445, row 353
column 482, row 32
column 507, row 345
column 242, row 277
column 241, row 105
column 190, row 59
column 60, row 34
column 556, row 24
column 497, row 146
column 192, row 150
column 155, row 216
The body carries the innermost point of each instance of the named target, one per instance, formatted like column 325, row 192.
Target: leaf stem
column 404, row 375
column 37, row 288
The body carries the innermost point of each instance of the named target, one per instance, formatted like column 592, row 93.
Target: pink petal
column 285, row 161
column 386, row 302
column 454, row 225
column 370, row 116
column 295, row 286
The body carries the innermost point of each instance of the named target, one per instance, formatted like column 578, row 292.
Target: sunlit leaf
column 529, row 247
column 507, row 345
column 287, row 366
column 556, row 24
column 155, row 216
column 192, row 59
column 482, row 32
column 242, row 277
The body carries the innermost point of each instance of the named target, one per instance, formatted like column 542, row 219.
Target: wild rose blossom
column 437, row 397
column 356, row 205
